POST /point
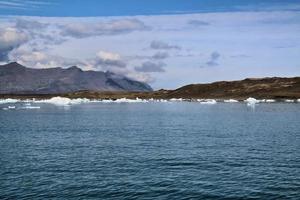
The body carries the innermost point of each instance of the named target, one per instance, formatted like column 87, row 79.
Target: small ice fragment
column 270, row 101
column 209, row 101
column 231, row 101
column 289, row 101
column 251, row 101
column 9, row 100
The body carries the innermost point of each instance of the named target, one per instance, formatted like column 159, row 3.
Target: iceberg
column 231, row 101
column 125, row 100
column 30, row 107
column 266, row 100
column 63, row 101
column 104, row 101
column 162, row 100
column 270, row 100
column 4, row 101
column 208, row 101
column 175, row 99
column 251, row 101
column 10, row 108
column 289, row 101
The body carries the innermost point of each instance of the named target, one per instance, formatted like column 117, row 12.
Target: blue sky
column 80, row 8
column 165, row 43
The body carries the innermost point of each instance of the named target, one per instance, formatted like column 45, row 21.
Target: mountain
column 17, row 79
column 260, row 88
column 274, row 87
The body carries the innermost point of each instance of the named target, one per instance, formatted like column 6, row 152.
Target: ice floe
column 270, row 100
column 289, row 101
column 63, row 101
column 175, row 99
column 9, row 108
column 30, row 107
column 4, row 101
column 231, row 101
column 208, row 101
column 251, row 101
column 125, row 100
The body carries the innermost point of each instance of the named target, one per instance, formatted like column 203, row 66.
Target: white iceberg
column 9, row 100
column 289, row 101
column 251, row 101
column 9, row 108
column 231, row 101
column 63, row 101
column 104, row 101
column 125, row 100
column 30, row 107
column 162, row 100
column 270, row 100
column 175, row 99
column 208, row 101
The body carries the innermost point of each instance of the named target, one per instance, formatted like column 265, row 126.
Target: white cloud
column 104, row 55
column 105, row 60
column 88, row 29
column 10, row 38
column 39, row 59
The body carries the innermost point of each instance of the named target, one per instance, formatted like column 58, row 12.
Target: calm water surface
column 151, row 151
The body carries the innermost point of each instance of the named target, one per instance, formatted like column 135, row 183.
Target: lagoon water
column 178, row 150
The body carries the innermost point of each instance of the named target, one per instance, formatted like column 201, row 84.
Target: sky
column 167, row 43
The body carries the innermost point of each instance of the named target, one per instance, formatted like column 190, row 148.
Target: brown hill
column 259, row 88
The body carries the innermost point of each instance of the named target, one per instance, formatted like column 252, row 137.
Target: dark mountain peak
column 13, row 65
column 109, row 73
column 74, row 68
column 17, row 79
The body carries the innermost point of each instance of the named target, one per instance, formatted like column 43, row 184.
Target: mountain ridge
column 18, row 79
column 260, row 88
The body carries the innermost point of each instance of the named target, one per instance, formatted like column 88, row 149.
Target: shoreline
column 41, row 98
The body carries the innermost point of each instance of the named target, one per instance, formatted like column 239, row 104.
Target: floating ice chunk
column 59, row 101
column 79, row 101
column 162, row 100
column 231, row 101
column 9, row 108
column 105, row 101
column 251, row 101
column 209, row 101
column 175, row 99
column 298, row 100
column 125, row 100
column 289, row 101
column 63, row 101
column 9, row 100
column 270, row 100
column 31, row 107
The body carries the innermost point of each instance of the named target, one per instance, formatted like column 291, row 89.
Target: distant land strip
column 260, row 88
